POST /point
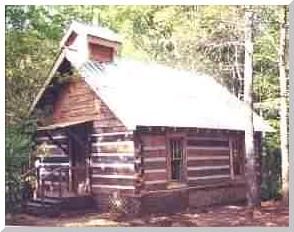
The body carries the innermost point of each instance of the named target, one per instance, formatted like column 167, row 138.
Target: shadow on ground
column 271, row 213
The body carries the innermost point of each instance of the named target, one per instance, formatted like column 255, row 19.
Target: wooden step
column 37, row 204
column 48, row 200
column 50, row 207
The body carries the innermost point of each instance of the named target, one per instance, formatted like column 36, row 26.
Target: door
column 79, row 150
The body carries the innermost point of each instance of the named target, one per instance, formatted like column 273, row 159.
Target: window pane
column 176, row 149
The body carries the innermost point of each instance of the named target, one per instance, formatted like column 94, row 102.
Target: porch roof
column 62, row 125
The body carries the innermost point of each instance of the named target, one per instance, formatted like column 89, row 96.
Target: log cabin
column 137, row 136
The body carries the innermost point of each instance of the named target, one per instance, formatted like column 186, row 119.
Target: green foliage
column 18, row 145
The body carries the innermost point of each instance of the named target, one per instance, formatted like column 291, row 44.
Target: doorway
column 79, row 155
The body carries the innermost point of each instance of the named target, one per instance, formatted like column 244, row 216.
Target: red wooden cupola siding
column 101, row 49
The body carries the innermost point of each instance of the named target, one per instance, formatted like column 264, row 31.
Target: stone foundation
column 214, row 196
column 170, row 200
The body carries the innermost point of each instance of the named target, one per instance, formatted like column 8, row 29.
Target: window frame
column 183, row 171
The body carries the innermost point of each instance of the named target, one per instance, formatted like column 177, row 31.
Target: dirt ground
column 271, row 213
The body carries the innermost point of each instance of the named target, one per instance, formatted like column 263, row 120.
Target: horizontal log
column 209, row 167
column 113, row 159
column 54, row 164
column 55, row 178
column 56, row 159
column 102, row 186
column 48, row 146
column 113, row 165
column 112, row 171
column 208, row 158
column 113, row 149
column 154, row 165
column 58, row 151
column 212, row 162
column 208, row 177
column 219, row 148
column 57, row 137
column 154, row 159
column 55, row 183
column 208, row 182
column 50, row 142
column 210, row 138
column 151, row 182
column 53, row 172
column 209, row 133
column 196, row 153
column 40, row 156
column 155, row 170
column 112, row 134
column 155, row 187
column 208, row 172
column 156, row 153
column 116, row 138
column 130, row 154
column 153, row 140
column 208, row 143
column 112, row 181
column 154, row 148
column 155, row 176
column 114, row 143
column 114, row 176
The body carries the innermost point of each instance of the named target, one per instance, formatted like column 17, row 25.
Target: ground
column 271, row 213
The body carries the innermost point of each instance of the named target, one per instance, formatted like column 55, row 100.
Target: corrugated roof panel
column 148, row 94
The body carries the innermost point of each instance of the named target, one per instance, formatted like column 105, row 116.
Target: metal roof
column 147, row 94
column 89, row 29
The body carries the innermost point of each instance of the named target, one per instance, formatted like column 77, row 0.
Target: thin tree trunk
column 283, row 110
column 253, row 198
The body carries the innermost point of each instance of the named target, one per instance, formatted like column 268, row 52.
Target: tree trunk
column 283, row 110
column 253, row 198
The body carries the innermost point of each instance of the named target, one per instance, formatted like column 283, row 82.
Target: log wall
column 112, row 162
column 154, row 161
column 208, row 157
column 55, row 157
column 207, row 161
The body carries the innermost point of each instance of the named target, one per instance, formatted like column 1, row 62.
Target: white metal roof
column 145, row 94
column 89, row 29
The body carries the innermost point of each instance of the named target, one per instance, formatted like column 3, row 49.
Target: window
column 176, row 159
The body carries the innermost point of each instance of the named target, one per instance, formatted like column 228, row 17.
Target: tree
column 250, row 163
column 283, row 108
